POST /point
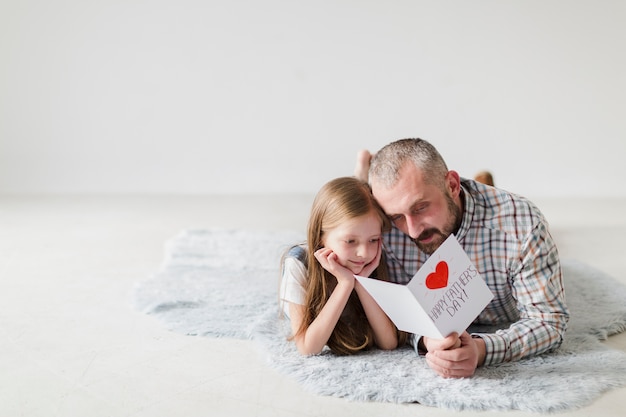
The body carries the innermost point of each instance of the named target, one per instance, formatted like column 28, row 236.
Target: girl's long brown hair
column 339, row 200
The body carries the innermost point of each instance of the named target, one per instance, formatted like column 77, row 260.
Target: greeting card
column 444, row 296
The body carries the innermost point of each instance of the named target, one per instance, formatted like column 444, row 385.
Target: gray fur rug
column 224, row 283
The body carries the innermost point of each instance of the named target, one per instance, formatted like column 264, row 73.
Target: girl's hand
column 328, row 259
column 370, row 267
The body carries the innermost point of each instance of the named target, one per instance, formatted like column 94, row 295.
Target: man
column 505, row 236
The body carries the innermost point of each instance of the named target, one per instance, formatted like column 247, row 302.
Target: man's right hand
column 451, row 342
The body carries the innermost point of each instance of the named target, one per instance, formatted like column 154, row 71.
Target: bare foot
column 485, row 177
column 362, row 167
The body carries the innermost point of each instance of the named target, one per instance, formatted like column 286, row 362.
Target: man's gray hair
column 387, row 162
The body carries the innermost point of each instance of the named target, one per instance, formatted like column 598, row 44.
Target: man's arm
column 537, row 286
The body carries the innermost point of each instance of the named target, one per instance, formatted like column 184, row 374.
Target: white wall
column 200, row 96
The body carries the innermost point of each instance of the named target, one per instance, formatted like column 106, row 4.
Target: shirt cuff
column 414, row 341
column 495, row 348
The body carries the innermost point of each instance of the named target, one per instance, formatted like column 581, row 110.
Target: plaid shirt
column 508, row 240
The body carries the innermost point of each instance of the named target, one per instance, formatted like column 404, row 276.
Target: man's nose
column 414, row 227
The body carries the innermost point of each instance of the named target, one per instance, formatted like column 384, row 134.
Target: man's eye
column 420, row 209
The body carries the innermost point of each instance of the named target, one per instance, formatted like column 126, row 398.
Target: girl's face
column 355, row 242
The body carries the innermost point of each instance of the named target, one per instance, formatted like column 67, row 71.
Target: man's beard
column 441, row 235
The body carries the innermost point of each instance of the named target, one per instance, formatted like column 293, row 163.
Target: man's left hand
column 460, row 362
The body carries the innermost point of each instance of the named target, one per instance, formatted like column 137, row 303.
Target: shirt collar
column 468, row 212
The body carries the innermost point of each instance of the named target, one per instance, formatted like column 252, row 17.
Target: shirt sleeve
column 292, row 283
column 537, row 286
column 401, row 256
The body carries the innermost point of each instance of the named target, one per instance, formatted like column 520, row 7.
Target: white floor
column 71, row 344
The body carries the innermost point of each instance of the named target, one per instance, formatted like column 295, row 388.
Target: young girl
column 327, row 306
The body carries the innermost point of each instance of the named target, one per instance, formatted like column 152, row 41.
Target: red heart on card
column 439, row 278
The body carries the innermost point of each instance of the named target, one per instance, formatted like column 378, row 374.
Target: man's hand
column 460, row 362
column 451, row 342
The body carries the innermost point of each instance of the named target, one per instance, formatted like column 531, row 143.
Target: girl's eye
column 350, row 241
column 375, row 240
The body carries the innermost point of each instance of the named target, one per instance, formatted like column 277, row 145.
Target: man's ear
column 453, row 183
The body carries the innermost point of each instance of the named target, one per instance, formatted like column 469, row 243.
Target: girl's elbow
column 307, row 350
column 388, row 345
